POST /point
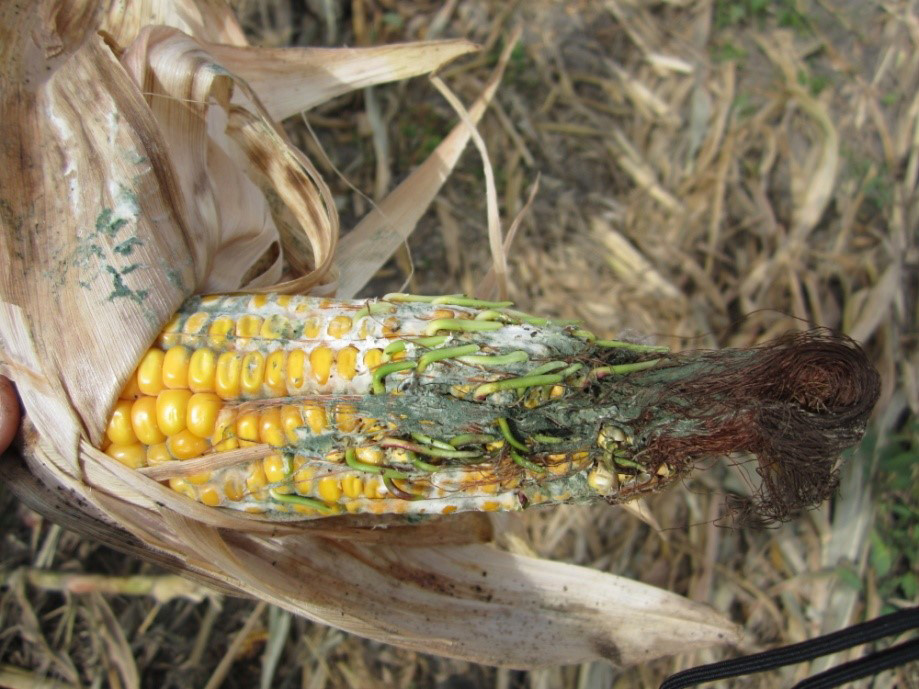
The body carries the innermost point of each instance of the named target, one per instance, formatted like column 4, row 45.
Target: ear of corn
column 405, row 404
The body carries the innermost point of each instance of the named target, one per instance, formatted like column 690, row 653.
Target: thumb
column 9, row 413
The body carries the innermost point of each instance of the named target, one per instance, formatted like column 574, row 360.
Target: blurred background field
column 711, row 173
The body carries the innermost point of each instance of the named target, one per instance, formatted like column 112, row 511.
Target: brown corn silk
column 143, row 164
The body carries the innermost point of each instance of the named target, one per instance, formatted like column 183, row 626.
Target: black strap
column 863, row 667
column 864, row 632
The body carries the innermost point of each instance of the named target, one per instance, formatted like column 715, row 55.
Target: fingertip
column 9, row 413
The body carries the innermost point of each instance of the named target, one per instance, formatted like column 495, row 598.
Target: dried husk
column 143, row 162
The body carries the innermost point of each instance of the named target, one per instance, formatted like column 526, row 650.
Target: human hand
column 9, row 413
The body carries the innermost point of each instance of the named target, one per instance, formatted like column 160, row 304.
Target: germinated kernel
column 119, row 429
column 180, row 485
column 352, row 485
column 133, row 455
column 158, row 454
column 220, row 330
column 233, row 488
column 370, row 454
column 144, row 421
column 274, row 468
column 253, row 374
column 186, row 445
column 202, row 369
column 311, row 328
column 150, row 372
column 175, row 367
column 269, row 428
column 247, row 426
column 275, row 374
column 131, row 389
column 321, row 364
column 291, row 420
column 195, row 322
column 227, row 379
column 248, row 325
column 203, row 409
column 346, row 362
column 209, row 496
column 346, row 418
column 339, row 326
column 316, row 417
column 273, row 327
column 171, row 410
column 329, row 489
column 373, row 358
column 296, row 368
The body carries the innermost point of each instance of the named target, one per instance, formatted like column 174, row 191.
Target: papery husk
column 142, row 164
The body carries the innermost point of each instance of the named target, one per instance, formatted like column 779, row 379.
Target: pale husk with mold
column 143, row 162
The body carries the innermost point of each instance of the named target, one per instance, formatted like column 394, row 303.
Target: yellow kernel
column 158, row 454
column 150, row 372
column 195, row 322
column 202, row 368
column 449, row 509
column 290, row 422
column 200, row 478
column 144, row 421
column 274, row 374
column 253, row 374
column 169, row 334
column 273, row 327
column 175, row 367
column 274, row 468
column 296, row 365
column 353, row 506
column 119, row 429
column 374, row 488
column 219, row 331
column 282, row 300
column 329, row 489
column 186, row 445
column 226, row 445
column 226, row 380
column 247, row 426
column 442, row 313
column 180, row 485
column 269, row 427
column 131, row 389
column 352, row 485
column 321, row 364
column 316, row 417
column 346, row 362
column 248, row 325
column 256, row 480
column 491, row 506
column 171, row 410
column 339, row 326
column 390, row 327
column 335, row 456
column 133, row 455
column 225, row 428
column 233, row 488
column 556, row 391
column 370, row 454
column 373, row 358
column 346, row 418
column 311, row 328
column 258, row 301
column 362, row 331
column 304, row 487
column 203, row 409
column 209, row 496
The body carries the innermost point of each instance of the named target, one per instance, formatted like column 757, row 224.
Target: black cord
column 863, row 667
column 864, row 632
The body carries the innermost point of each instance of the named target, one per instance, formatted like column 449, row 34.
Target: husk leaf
column 143, row 164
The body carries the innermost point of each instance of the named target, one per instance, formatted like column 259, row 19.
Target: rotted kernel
column 339, row 326
column 150, row 372
column 346, row 419
column 195, row 322
column 258, row 301
column 274, row 326
column 144, row 422
column 180, row 485
column 275, row 382
column 253, row 374
column 234, row 488
column 370, row 454
column 346, row 362
column 311, row 328
column 256, row 480
column 373, row 358
column 220, row 331
column 296, row 370
column 169, row 335
column 228, row 375
column 291, row 420
column 316, row 417
column 248, row 325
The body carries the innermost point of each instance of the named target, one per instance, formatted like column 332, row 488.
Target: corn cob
column 407, row 405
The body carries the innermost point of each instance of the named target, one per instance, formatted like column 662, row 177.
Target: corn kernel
column 158, row 454
column 247, row 426
column 253, row 374
column 200, row 478
column 442, row 313
column 220, row 331
column 273, row 327
column 321, row 364
column 373, row 358
column 269, row 427
column 390, row 327
column 290, row 422
column 311, row 328
column 329, row 489
column 346, row 418
column 171, row 410
column 119, row 429
column 274, row 374
column 233, row 488
column 282, row 300
column 370, row 454
column 274, row 467
column 352, row 485
column 258, row 301
column 186, row 445
column 195, row 322
column 256, row 480
column 144, row 421
column 339, row 326
column 175, row 367
column 201, row 416
column 202, row 368
column 133, row 455
column 209, row 496
column 131, row 389
column 248, row 325
column 346, row 362
column 170, row 333
column 150, row 372
column 180, row 485
column 227, row 378
column 296, row 368
column 316, row 417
